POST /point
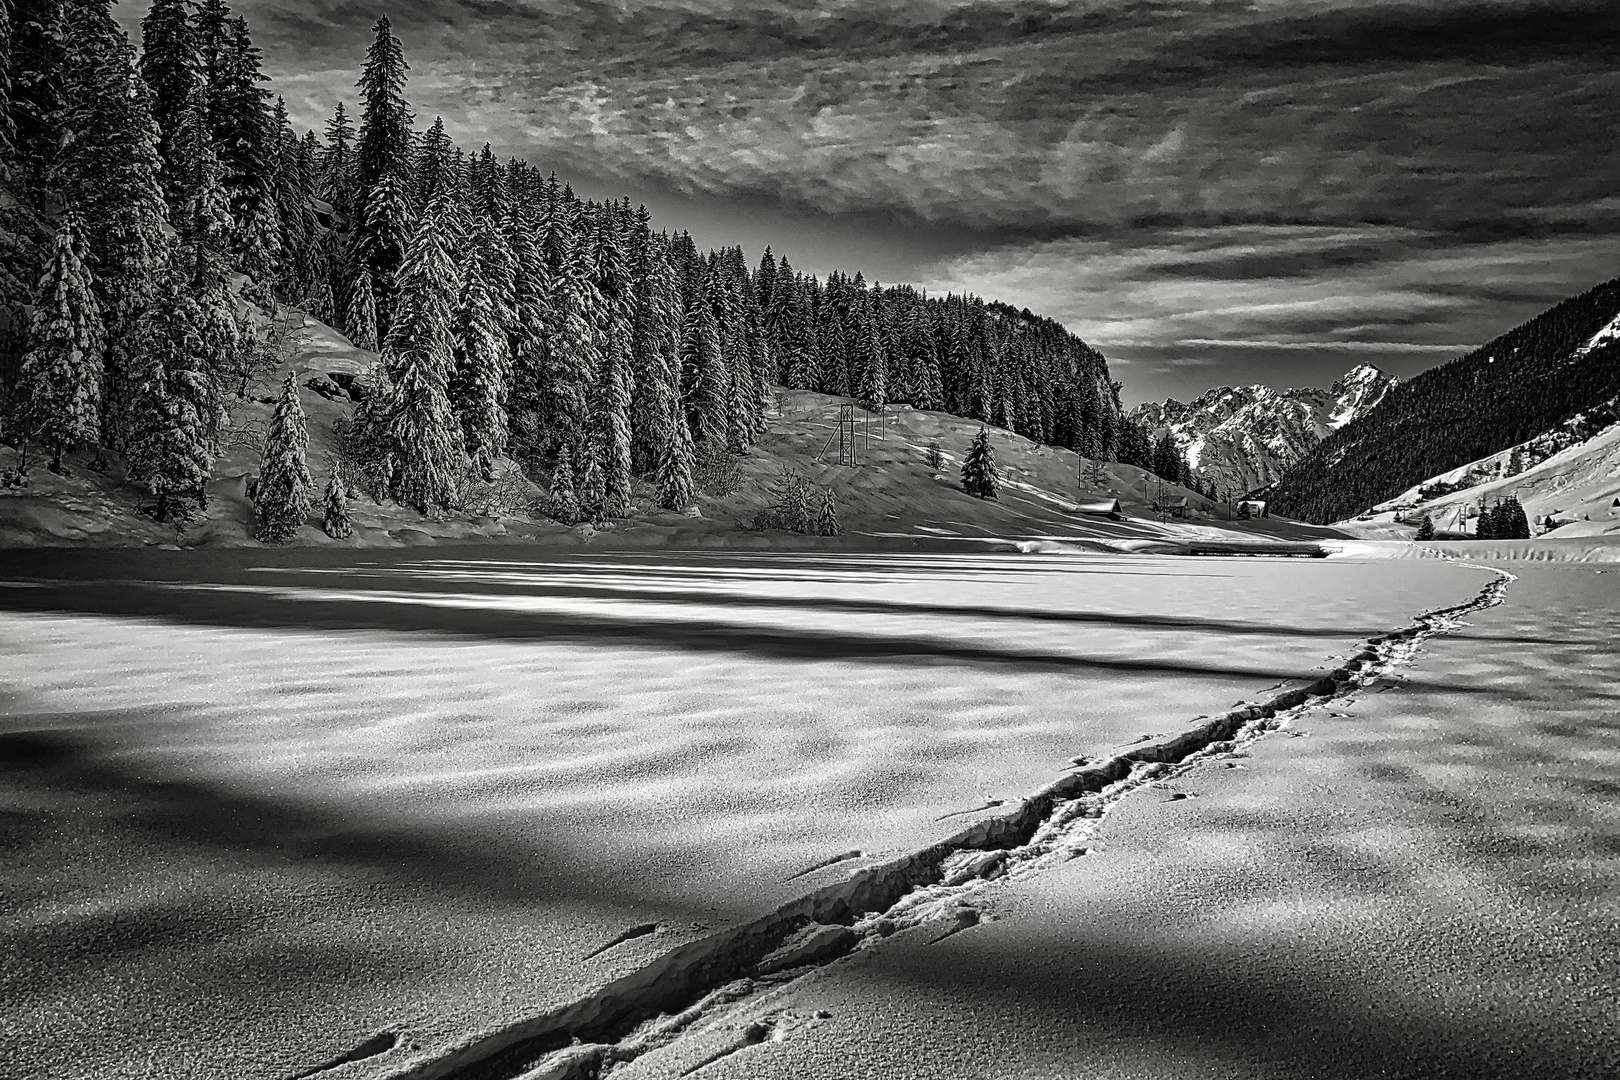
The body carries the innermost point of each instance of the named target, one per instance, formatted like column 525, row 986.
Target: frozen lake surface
column 1423, row 883
column 257, row 807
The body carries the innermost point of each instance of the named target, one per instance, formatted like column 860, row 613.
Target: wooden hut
column 1176, row 506
column 1108, row 508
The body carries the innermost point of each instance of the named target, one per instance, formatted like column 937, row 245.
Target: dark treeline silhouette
column 156, row 206
column 1518, row 386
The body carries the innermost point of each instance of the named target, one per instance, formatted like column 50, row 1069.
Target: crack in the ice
column 628, row 935
column 380, row 1043
column 991, row 805
column 650, row 1008
column 824, row 863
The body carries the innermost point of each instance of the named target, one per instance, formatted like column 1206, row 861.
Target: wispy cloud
column 1379, row 347
column 1174, row 299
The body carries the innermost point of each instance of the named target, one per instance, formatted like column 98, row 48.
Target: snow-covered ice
column 260, row 807
column 1421, row 882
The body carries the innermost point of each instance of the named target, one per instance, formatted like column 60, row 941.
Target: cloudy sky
column 1209, row 191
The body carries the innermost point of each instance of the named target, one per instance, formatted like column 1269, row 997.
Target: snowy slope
column 1558, row 474
column 892, row 497
column 1243, row 438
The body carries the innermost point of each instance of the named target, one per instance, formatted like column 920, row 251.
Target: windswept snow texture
column 1421, row 883
column 256, row 813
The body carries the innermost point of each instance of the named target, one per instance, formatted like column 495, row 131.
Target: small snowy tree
column 979, row 476
column 592, row 483
column 797, row 514
column 281, row 499
column 59, row 386
column 336, row 520
column 564, row 504
column 1425, row 529
column 936, row 457
column 827, row 519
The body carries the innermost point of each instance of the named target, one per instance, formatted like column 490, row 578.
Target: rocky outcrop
column 1243, row 438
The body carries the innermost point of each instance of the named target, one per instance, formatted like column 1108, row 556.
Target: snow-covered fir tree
column 360, row 318
column 483, row 367
column 564, row 504
column 39, row 65
column 336, row 168
column 434, row 167
column 798, row 514
column 384, row 208
column 616, row 333
column 335, row 519
column 424, row 439
column 242, row 130
column 827, row 516
column 109, row 171
column 19, row 224
column 204, row 220
column 59, row 387
column 704, row 382
column 282, row 496
column 176, row 406
column 676, row 490
column 979, row 476
column 168, row 66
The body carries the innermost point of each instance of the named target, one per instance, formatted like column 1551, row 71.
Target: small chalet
column 1108, row 508
column 1252, row 508
column 1176, row 506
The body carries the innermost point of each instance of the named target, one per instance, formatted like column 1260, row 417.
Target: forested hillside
column 156, row 206
column 1518, row 386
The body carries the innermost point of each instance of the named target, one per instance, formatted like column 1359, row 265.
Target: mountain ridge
column 1517, row 387
column 1242, row 438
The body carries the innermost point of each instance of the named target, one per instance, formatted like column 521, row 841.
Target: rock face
column 1242, row 438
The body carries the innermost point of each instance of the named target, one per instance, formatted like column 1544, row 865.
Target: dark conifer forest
column 1514, row 388
column 158, row 209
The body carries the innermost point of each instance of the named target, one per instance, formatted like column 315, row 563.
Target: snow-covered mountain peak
column 1243, row 437
column 1360, row 390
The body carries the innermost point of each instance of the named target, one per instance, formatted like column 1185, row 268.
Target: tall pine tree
column 59, row 389
column 176, row 405
column 108, row 170
column 424, row 440
column 483, row 368
column 704, row 382
column 382, row 169
column 39, row 66
column 169, row 67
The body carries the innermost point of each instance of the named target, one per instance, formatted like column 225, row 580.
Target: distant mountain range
column 1542, row 388
column 1240, row 438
